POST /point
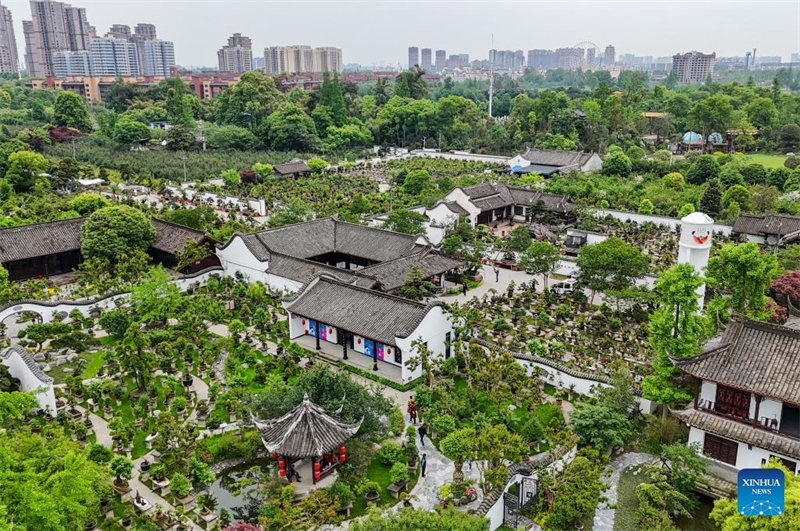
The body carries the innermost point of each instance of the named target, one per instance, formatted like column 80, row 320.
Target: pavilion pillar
column 344, row 345
column 314, row 470
column 375, row 358
column 317, row 338
column 758, row 407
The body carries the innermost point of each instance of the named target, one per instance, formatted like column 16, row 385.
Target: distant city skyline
column 648, row 28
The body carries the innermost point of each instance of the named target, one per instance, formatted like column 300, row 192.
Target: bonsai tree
column 207, row 503
column 180, row 485
column 158, row 472
column 121, row 467
column 342, row 492
column 369, row 489
column 398, row 473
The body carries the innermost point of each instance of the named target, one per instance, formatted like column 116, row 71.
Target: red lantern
column 341, row 449
column 274, row 455
column 316, row 466
column 341, row 458
column 281, row 463
column 281, row 472
column 316, row 475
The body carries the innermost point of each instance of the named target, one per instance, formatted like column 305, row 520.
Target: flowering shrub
column 777, row 314
column 788, row 286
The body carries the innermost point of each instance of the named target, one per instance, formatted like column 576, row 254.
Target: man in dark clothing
column 464, row 289
column 423, row 431
column 424, row 463
column 496, row 275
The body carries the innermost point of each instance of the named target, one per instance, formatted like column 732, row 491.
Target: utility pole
column 491, row 77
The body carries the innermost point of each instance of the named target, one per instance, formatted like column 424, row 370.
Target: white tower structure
column 694, row 246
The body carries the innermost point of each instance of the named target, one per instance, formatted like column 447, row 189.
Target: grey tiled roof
column 367, row 312
column 306, row 431
column 752, row 356
column 171, row 237
column 289, row 168
column 392, row 274
column 456, row 208
column 40, row 239
column 740, row 431
column 553, row 157
column 503, row 195
column 552, row 202
column 302, row 270
column 326, row 235
column 476, row 191
column 32, row 365
column 778, row 224
column 490, row 203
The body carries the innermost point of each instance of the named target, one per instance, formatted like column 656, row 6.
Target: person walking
column 464, row 289
column 412, row 410
column 424, row 464
column 496, row 274
column 423, row 431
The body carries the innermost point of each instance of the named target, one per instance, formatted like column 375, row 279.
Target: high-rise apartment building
column 441, row 59
column 9, row 60
column 426, row 63
column 693, row 67
column 54, row 27
column 142, row 33
column 120, row 31
column 159, row 58
column 237, row 55
column 541, row 59
column 569, row 58
column 69, row 63
column 327, row 59
column 113, row 57
column 609, row 56
column 301, row 59
column 413, row 56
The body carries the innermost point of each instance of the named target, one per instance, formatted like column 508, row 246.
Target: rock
column 39, row 356
column 68, row 370
column 47, row 368
column 245, row 365
column 72, row 357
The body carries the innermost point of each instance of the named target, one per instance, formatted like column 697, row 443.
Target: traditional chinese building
column 746, row 406
column 306, row 433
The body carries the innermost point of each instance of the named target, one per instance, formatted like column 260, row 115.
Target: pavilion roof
column 305, row 431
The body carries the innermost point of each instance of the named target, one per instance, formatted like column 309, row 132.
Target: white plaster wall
column 296, row 328
column 746, row 457
column 658, row 220
column 771, row 409
column 463, row 200
column 236, row 257
column 433, row 330
column 708, row 391
column 518, row 161
column 282, row 283
column 29, row 382
column 595, row 163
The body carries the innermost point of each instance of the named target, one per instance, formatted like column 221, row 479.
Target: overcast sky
column 381, row 31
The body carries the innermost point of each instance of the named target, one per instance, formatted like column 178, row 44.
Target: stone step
column 326, row 358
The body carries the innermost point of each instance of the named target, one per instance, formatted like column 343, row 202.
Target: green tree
column 155, row 298
column 405, row 221
column 602, row 427
column 744, row 275
column 519, row 239
column 231, row 137
column 738, row 194
column 790, row 137
column 114, row 231
column 416, row 286
column 135, row 356
column 646, row 206
column 332, row 97
column 703, row 169
column 70, row 110
column 263, row 170
column 496, row 447
column 659, row 500
column 128, row 132
column 25, row 169
column 408, row 519
column 180, row 138
column 611, row 264
column 617, row 163
column 290, row 129
column 49, row 482
column 711, row 200
column 119, row 96
column 567, row 498
column 674, row 180
column 459, row 446
column 249, row 102
column 540, row 258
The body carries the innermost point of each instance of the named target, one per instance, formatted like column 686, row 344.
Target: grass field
column 767, row 160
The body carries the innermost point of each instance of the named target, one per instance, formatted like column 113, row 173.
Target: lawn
column 94, row 360
column 767, row 160
column 379, row 473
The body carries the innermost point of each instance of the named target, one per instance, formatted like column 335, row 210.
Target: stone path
column 603, row 516
column 149, row 495
column 100, row 428
column 506, row 276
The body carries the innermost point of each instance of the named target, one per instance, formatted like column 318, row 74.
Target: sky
column 372, row 32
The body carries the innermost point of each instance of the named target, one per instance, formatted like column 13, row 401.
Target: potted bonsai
column 207, row 503
column 399, row 476
column 411, row 453
column 126, row 515
column 159, row 474
column 370, row 490
column 179, row 406
column 121, row 467
column 181, row 489
column 187, row 380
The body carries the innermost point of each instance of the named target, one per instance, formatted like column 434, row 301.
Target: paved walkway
column 489, row 282
column 604, row 516
column 149, row 495
column 100, row 428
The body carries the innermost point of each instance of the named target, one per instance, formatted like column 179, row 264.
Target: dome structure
column 715, row 138
column 691, row 137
